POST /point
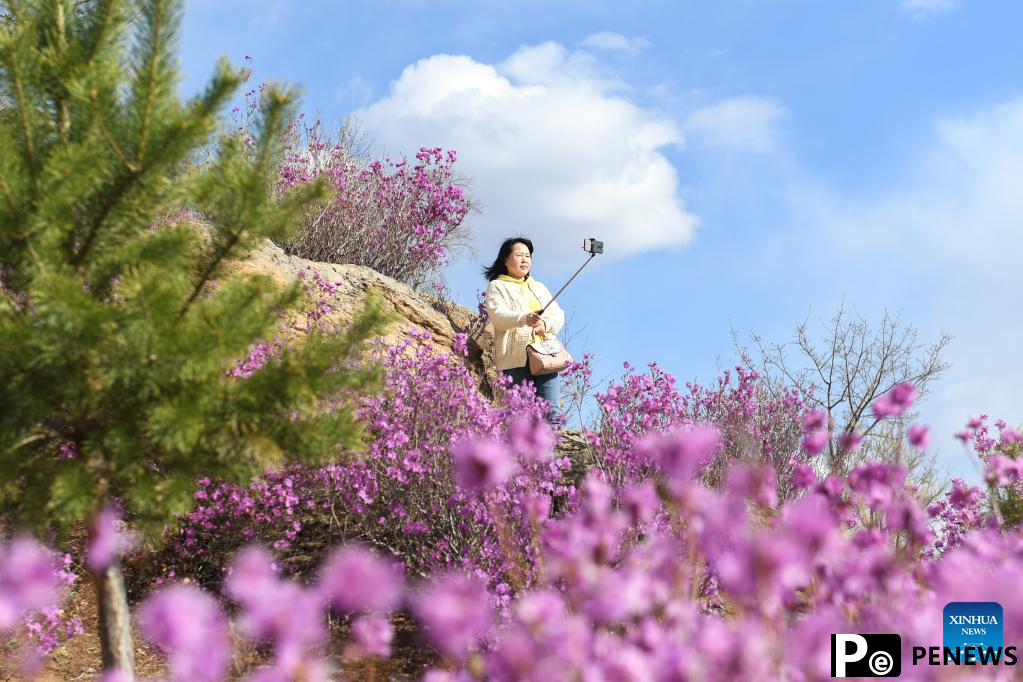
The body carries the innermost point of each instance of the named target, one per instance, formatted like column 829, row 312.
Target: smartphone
column 591, row 245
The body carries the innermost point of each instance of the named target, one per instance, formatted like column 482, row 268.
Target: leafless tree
column 844, row 369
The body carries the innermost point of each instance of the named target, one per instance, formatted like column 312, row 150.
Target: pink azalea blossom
column 28, row 580
column 919, row 436
column 372, row 635
column 815, row 442
column 481, row 464
column 894, row 402
column 883, row 407
column 815, row 420
column 531, row 437
column 1010, row 436
column 188, row 624
column 455, row 610
column 849, row 441
column 803, row 476
column 106, row 542
column 684, row 451
column 354, row 578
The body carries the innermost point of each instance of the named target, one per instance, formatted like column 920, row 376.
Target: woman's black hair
column 497, row 268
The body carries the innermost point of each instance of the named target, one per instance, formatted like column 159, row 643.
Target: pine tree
column 114, row 346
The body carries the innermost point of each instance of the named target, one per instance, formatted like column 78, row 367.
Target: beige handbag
column 547, row 357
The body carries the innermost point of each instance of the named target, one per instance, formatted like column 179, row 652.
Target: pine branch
column 61, row 104
column 254, row 195
column 22, row 104
column 155, row 20
column 98, row 31
column 5, row 188
column 210, row 270
column 118, row 191
column 199, row 117
column 111, row 142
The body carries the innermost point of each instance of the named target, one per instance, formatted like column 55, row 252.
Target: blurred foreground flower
column 354, row 579
column 28, row 580
column 481, row 464
column 188, row 624
column 456, row 612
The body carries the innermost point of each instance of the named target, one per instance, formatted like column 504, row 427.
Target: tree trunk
column 115, row 638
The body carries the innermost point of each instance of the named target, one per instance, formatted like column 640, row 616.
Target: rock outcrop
column 410, row 309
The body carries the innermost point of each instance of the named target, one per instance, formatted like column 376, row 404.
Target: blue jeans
column 546, row 386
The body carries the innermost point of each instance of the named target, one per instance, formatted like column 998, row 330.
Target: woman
column 513, row 302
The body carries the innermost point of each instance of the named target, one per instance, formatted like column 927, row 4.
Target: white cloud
column 920, row 6
column 614, row 42
column 553, row 65
column 551, row 148
column 748, row 122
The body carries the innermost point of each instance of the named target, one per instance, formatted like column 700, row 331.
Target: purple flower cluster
column 106, row 541
column 1002, row 457
column 396, row 218
column 189, row 624
column 434, row 442
column 33, row 583
column 962, row 511
column 816, row 432
column 28, row 580
column 753, row 422
column 895, row 401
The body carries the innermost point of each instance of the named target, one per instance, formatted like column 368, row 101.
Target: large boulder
column 411, row 309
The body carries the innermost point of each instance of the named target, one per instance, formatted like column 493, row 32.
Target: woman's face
column 518, row 261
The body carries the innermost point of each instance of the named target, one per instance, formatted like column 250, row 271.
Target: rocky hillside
column 413, row 310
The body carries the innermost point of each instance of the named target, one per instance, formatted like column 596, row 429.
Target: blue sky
column 747, row 163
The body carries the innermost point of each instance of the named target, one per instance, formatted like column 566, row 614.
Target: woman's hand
column 540, row 328
column 534, row 319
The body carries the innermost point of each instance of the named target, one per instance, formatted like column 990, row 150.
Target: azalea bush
column 403, row 219
column 401, row 494
column 719, row 525
column 757, row 425
column 1002, row 457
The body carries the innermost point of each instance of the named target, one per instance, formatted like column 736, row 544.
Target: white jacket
column 507, row 306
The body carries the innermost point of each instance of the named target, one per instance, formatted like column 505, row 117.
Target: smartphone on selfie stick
column 591, row 246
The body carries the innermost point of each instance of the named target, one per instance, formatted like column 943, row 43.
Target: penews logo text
column 878, row 655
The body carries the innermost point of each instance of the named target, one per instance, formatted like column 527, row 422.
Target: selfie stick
column 593, row 247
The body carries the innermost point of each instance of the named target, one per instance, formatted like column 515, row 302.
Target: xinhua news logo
column 866, row 655
column 974, row 627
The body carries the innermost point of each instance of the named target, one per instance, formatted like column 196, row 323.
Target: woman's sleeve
column 554, row 316
column 500, row 311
